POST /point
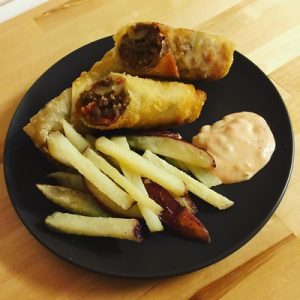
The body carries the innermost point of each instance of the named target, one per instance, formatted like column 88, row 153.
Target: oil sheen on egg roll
column 125, row 101
column 154, row 49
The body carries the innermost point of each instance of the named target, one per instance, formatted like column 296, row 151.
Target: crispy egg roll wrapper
column 49, row 119
column 167, row 65
column 154, row 49
column 148, row 103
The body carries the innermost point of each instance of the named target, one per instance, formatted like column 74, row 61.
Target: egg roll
column 125, row 101
column 154, row 49
column 48, row 119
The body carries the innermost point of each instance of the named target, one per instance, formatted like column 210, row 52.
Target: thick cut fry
column 187, row 202
column 111, row 206
column 177, row 217
column 196, row 187
column 152, row 220
column 74, row 137
column 203, row 175
column 72, row 200
column 55, row 152
column 128, row 229
column 69, row 180
column 173, row 148
column 140, row 165
column 59, row 143
column 177, row 163
column 122, row 181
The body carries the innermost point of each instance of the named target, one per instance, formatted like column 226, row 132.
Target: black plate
column 246, row 88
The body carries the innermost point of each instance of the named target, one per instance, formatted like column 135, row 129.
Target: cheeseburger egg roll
column 125, row 101
column 154, row 49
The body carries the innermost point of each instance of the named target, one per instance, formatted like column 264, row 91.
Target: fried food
column 197, row 188
column 69, row 180
column 203, row 175
column 154, row 49
column 125, row 101
column 58, row 143
column 152, row 220
column 140, row 165
column 129, row 229
column 174, row 148
column 110, row 206
column 176, row 216
column 49, row 119
column 122, row 181
column 72, row 200
column 74, row 137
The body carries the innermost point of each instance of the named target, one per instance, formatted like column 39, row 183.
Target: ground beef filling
column 141, row 47
column 103, row 104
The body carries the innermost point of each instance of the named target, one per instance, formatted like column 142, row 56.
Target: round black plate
column 245, row 88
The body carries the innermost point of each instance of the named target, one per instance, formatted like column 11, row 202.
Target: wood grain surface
column 267, row 32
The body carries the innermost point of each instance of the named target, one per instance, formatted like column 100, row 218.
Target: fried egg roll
column 49, row 119
column 125, row 101
column 154, row 49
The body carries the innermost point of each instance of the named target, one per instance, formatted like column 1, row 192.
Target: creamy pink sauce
column 241, row 144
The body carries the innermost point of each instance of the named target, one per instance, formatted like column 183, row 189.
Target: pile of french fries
column 108, row 181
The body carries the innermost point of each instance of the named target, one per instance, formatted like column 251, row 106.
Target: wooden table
column 267, row 32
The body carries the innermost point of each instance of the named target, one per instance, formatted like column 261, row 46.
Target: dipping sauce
column 241, row 144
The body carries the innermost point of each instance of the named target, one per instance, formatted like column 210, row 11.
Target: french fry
column 59, row 143
column 134, row 177
column 194, row 186
column 187, row 202
column 111, row 206
column 152, row 220
column 137, row 181
column 177, row 217
column 57, row 154
column 176, row 163
column 128, row 229
column 72, row 200
column 122, row 181
column 74, row 137
column 174, row 148
column 204, row 176
column 140, row 165
column 69, row 180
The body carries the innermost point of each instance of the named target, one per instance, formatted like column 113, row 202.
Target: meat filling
column 142, row 46
column 104, row 103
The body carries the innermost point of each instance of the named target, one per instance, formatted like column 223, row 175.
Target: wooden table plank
column 262, row 284
column 253, row 23
column 284, row 52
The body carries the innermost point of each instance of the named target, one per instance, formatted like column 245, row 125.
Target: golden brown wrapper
column 153, row 103
column 171, row 64
column 49, row 119
column 185, row 53
column 201, row 55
